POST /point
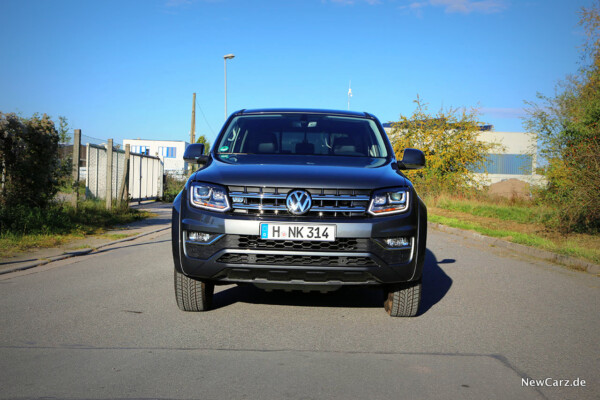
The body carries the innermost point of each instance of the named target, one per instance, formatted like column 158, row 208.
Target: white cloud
column 469, row 6
column 461, row 6
column 183, row 3
column 177, row 3
column 352, row 2
column 416, row 5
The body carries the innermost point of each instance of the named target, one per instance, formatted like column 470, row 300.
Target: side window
column 232, row 143
column 240, row 143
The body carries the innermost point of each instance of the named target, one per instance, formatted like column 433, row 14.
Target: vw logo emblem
column 298, row 202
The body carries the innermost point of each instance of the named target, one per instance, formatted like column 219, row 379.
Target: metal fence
column 145, row 174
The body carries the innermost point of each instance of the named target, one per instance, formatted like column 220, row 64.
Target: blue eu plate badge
column 264, row 231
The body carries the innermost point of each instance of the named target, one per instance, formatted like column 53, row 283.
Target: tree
column 204, row 140
column 449, row 141
column 66, row 162
column 567, row 126
column 63, row 129
column 201, row 139
column 30, row 160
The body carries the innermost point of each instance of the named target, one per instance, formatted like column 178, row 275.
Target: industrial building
column 169, row 151
column 515, row 159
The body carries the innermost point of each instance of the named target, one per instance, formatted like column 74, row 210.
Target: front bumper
column 357, row 257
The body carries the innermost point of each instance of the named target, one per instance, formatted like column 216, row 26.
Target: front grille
column 255, row 244
column 340, row 244
column 316, row 261
column 326, row 203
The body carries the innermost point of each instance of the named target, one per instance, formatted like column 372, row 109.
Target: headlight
column 389, row 201
column 210, row 197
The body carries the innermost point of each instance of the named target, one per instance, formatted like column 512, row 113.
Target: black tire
column 402, row 300
column 193, row 295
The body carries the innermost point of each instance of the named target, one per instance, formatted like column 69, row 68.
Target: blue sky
column 127, row 69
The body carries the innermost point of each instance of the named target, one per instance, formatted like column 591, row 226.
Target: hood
column 302, row 172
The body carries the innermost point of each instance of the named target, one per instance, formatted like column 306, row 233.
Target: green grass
column 513, row 236
column 66, row 186
column 525, row 214
column 90, row 217
column 574, row 250
column 23, row 228
column 11, row 243
column 568, row 247
column 117, row 236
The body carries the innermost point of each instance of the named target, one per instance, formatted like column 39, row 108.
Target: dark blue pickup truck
column 300, row 199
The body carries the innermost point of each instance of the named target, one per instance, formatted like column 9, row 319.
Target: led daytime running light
column 389, row 201
column 210, row 197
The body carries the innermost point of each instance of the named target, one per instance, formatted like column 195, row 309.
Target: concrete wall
column 513, row 142
column 145, row 174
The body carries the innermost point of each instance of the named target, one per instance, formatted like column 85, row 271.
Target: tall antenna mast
column 349, row 93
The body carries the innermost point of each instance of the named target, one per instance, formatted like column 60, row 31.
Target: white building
column 169, row 151
column 514, row 160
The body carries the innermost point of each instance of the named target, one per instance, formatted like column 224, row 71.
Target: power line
column 205, row 120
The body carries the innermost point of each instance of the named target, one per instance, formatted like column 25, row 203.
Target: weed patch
column 22, row 228
column 522, row 221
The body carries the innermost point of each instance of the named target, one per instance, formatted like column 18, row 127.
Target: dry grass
column 515, row 220
column 60, row 224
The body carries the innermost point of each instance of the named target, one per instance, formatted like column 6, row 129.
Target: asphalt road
column 106, row 326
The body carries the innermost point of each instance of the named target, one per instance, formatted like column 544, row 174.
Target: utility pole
column 190, row 168
column 193, row 131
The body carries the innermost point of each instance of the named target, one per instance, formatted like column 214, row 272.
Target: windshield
column 303, row 134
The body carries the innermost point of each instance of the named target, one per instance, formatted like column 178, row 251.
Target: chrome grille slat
column 339, row 209
column 327, row 203
column 341, row 197
column 258, row 195
column 258, row 207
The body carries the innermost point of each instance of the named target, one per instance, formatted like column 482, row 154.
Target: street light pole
column 225, row 58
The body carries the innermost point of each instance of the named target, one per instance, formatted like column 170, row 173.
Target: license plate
column 309, row 232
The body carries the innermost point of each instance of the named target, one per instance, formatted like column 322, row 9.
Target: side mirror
column 412, row 159
column 195, row 154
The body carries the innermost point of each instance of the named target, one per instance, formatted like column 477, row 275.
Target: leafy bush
column 58, row 218
column 449, row 141
column 173, row 186
column 568, row 127
column 30, row 162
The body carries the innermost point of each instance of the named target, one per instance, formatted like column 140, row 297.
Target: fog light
column 236, row 199
column 202, row 237
column 397, row 242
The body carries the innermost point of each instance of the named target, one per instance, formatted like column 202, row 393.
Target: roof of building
column 481, row 127
column 158, row 140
